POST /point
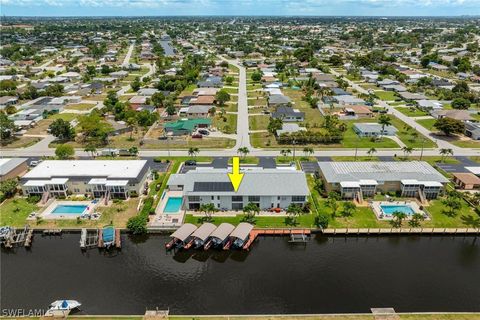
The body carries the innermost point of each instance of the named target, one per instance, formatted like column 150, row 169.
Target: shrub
column 138, row 224
column 33, row 199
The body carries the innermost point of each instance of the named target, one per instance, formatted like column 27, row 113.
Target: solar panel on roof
column 213, row 186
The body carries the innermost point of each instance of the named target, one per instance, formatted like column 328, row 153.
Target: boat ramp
column 227, row 237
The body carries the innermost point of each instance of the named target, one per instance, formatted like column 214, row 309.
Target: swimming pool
column 173, row 205
column 388, row 210
column 69, row 209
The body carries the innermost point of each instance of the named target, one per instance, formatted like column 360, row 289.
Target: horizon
column 231, row 8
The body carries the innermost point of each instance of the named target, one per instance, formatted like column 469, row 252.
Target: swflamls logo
column 19, row 313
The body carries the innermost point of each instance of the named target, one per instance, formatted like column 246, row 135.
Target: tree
column 111, row 100
column 321, row 220
column 132, row 124
column 398, row 218
column 250, row 210
column 158, row 99
column 415, row 220
column 221, row 97
column 445, row 152
column 208, row 209
column 371, row 151
column 7, row 127
column 170, row 109
column 453, row 203
column 274, row 124
column 285, row 152
column 94, row 129
column 293, row 212
column 460, row 103
column 406, row 151
column 229, row 80
column 62, row 130
column 332, row 202
column 348, row 209
column 384, row 121
column 308, row 151
column 243, row 151
column 136, row 84
column 92, row 149
column 193, row 151
column 64, row 151
column 8, row 188
column 449, row 126
column 256, row 76
column 133, row 151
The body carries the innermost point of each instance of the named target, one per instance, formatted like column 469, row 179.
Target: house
column 186, row 126
column 267, row 188
column 118, row 74
column 462, row 115
column 437, row 66
column 148, row 92
column 387, row 82
column 412, row 96
column 466, row 181
column 373, row 130
column 203, row 100
column 347, row 100
column 472, row 130
column 276, row 100
column 211, row 82
column 6, row 101
column 290, row 128
column 358, row 111
column 205, row 91
column 366, row 178
column 429, row 104
column 195, row 111
column 117, row 179
column 394, row 87
column 71, row 75
column 339, row 92
column 12, row 168
column 136, row 101
column 288, row 114
column 119, row 127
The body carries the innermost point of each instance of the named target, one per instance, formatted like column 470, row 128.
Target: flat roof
column 336, row 172
column 8, row 164
column 256, row 181
column 110, row 169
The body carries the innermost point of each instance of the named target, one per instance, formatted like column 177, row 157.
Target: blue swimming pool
column 389, row 209
column 69, row 209
column 173, row 205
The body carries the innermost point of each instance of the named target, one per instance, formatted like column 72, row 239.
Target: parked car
column 35, row 163
column 204, row 132
column 190, row 163
column 197, row 136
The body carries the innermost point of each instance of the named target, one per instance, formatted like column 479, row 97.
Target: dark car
column 190, row 163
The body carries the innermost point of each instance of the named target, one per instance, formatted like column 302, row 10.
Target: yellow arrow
column 236, row 177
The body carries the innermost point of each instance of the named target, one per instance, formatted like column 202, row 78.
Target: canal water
column 328, row 275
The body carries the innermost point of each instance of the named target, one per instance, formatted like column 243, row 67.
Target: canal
column 328, row 275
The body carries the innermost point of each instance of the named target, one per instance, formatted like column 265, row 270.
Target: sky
column 239, row 7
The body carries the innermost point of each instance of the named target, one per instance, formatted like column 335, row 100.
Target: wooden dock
column 52, row 232
column 100, row 238
column 29, row 238
column 18, row 237
column 397, row 231
column 118, row 240
column 273, row 232
column 88, row 238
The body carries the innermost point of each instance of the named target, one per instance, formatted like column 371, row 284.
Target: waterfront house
column 360, row 179
column 267, row 188
column 97, row 178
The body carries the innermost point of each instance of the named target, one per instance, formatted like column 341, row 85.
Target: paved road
column 243, row 137
column 126, row 60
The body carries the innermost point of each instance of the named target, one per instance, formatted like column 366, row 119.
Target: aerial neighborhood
column 330, row 125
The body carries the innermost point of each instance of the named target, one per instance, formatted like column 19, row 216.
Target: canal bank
column 328, row 275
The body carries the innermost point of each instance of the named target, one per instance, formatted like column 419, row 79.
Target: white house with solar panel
column 356, row 180
column 268, row 188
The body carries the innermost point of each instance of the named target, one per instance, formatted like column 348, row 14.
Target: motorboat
column 64, row 305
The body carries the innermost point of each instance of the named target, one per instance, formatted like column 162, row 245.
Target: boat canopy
column 204, row 231
column 108, row 234
column 242, row 230
column 223, row 231
column 184, row 232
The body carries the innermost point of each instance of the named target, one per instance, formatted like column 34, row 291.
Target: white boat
column 64, row 305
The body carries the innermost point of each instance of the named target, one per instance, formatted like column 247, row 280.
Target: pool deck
column 47, row 212
column 170, row 219
column 376, row 207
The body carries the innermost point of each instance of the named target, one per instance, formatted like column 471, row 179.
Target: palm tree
column 293, row 212
column 250, row 210
column 445, row 152
column 193, row 151
column 243, row 151
column 133, row 151
column 348, row 209
column 415, row 220
column 208, row 209
column 371, row 151
column 384, row 121
column 131, row 123
column 285, row 152
column 308, row 151
column 398, row 218
column 406, row 151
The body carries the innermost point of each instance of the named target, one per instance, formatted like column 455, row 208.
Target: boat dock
column 16, row 237
column 52, row 232
column 88, row 238
column 297, row 235
column 397, row 231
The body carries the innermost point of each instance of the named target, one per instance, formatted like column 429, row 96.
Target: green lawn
column 258, row 122
column 466, row 143
column 386, row 95
column 80, row 106
column 227, row 124
column 14, row 212
column 412, row 111
column 231, row 90
column 427, row 123
column 406, row 134
column 465, row 217
column 306, row 221
column 64, row 116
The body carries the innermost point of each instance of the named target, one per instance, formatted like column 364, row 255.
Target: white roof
column 184, row 231
column 222, row 231
column 97, row 181
column 37, row 183
column 474, row 170
column 349, row 184
column 116, row 183
column 242, row 230
column 109, row 169
column 204, row 231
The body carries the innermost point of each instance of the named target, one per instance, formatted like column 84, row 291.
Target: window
column 298, row 198
column 213, row 197
column 194, row 198
column 253, row 198
column 237, row 198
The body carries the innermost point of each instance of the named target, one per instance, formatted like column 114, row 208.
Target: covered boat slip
column 220, row 235
column 239, row 235
column 201, row 235
column 183, row 232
